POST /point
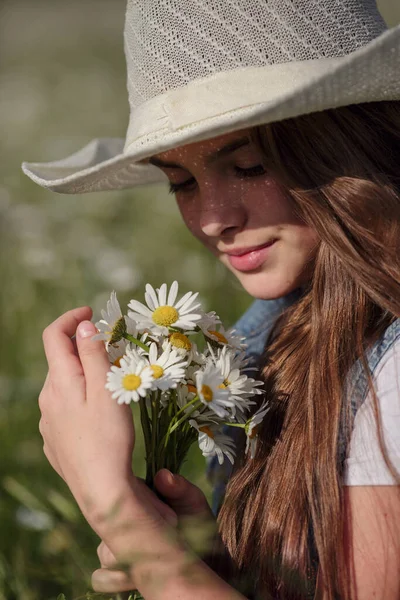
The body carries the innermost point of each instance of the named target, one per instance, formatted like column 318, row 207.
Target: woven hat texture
column 169, row 43
column 200, row 68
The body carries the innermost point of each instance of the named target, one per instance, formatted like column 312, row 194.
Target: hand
column 88, row 438
column 192, row 515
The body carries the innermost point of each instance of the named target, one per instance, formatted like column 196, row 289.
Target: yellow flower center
column 165, row 316
column 207, row 431
column 157, row 371
column 192, row 388
column 181, row 341
column 117, row 362
column 207, row 393
column 221, row 338
column 131, row 382
column 224, row 384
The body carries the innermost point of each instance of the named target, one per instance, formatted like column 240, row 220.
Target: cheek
column 191, row 219
column 267, row 205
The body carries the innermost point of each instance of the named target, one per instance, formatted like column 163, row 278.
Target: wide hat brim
column 223, row 103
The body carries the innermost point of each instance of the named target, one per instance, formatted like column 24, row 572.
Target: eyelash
column 256, row 171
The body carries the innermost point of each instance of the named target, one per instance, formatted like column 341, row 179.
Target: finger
column 58, row 346
column 106, row 557
column 148, row 496
column 184, row 497
column 109, row 581
column 42, row 400
column 73, row 340
column 52, row 460
column 93, row 356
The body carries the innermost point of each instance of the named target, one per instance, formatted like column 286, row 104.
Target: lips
column 250, row 259
column 243, row 251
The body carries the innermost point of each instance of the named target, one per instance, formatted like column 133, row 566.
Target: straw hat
column 202, row 68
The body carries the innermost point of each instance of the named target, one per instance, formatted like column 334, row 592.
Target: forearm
column 183, row 578
column 159, row 562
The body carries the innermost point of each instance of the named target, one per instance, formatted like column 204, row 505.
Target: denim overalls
column 255, row 325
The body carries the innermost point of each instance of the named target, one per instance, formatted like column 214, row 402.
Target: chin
column 266, row 286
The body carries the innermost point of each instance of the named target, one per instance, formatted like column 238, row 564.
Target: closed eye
column 240, row 172
column 255, row 171
column 177, row 187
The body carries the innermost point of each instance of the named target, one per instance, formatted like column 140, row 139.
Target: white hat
column 202, row 68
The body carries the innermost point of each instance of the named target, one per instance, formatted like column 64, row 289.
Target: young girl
column 277, row 125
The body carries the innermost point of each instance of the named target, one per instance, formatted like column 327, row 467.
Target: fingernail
column 171, row 478
column 86, row 329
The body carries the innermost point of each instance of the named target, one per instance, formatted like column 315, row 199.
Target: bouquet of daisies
column 185, row 372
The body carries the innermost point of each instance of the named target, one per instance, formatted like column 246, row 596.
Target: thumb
column 184, row 497
column 92, row 354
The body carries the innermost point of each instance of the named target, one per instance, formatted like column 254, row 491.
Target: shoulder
column 257, row 322
column 365, row 464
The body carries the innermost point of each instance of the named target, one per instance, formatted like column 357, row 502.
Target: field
column 62, row 82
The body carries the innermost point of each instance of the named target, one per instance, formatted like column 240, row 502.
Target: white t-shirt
column 365, row 464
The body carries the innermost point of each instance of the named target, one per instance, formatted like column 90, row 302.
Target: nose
column 221, row 213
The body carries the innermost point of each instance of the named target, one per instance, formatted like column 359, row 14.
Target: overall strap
column 356, row 388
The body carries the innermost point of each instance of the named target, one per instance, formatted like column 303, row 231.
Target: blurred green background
column 62, row 82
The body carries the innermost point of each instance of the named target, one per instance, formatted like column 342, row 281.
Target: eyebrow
column 211, row 158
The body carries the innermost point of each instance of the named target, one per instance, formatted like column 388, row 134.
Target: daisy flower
column 181, row 344
column 213, row 442
column 252, row 427
column 240, row 386
column 209, row 320
column 131, row 380
column 212, row 392
column 168, row 368
column 117, row 351
column 186, row 393
column 113, row 326
column 163, row 312
column 225, row 337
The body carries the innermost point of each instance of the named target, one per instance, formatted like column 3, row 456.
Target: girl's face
column 240, row 213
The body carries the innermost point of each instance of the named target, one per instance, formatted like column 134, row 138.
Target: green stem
column 174, row 442
column 181, row 420
column 134, row 340
column 180, row 411
column 242, row 425
column 165, row 440
column 144, row 418
column 154, row 422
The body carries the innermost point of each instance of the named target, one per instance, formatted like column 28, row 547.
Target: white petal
column 153, row 353
column 149, row 301
column 185, row 298
column 140, row 308
column 162, row 294
column 150, row 290
column 139, row 319
column 173, row 292
column 190, row 306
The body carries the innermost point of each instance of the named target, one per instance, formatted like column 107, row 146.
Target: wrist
column 183, row 575
column 110, row 505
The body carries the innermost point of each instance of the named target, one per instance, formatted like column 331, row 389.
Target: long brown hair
column 341, row 170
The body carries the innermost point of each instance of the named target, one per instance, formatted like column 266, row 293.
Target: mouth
column 251, row 258
column 243, row 251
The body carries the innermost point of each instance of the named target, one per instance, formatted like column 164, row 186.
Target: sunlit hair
column 340, row 168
